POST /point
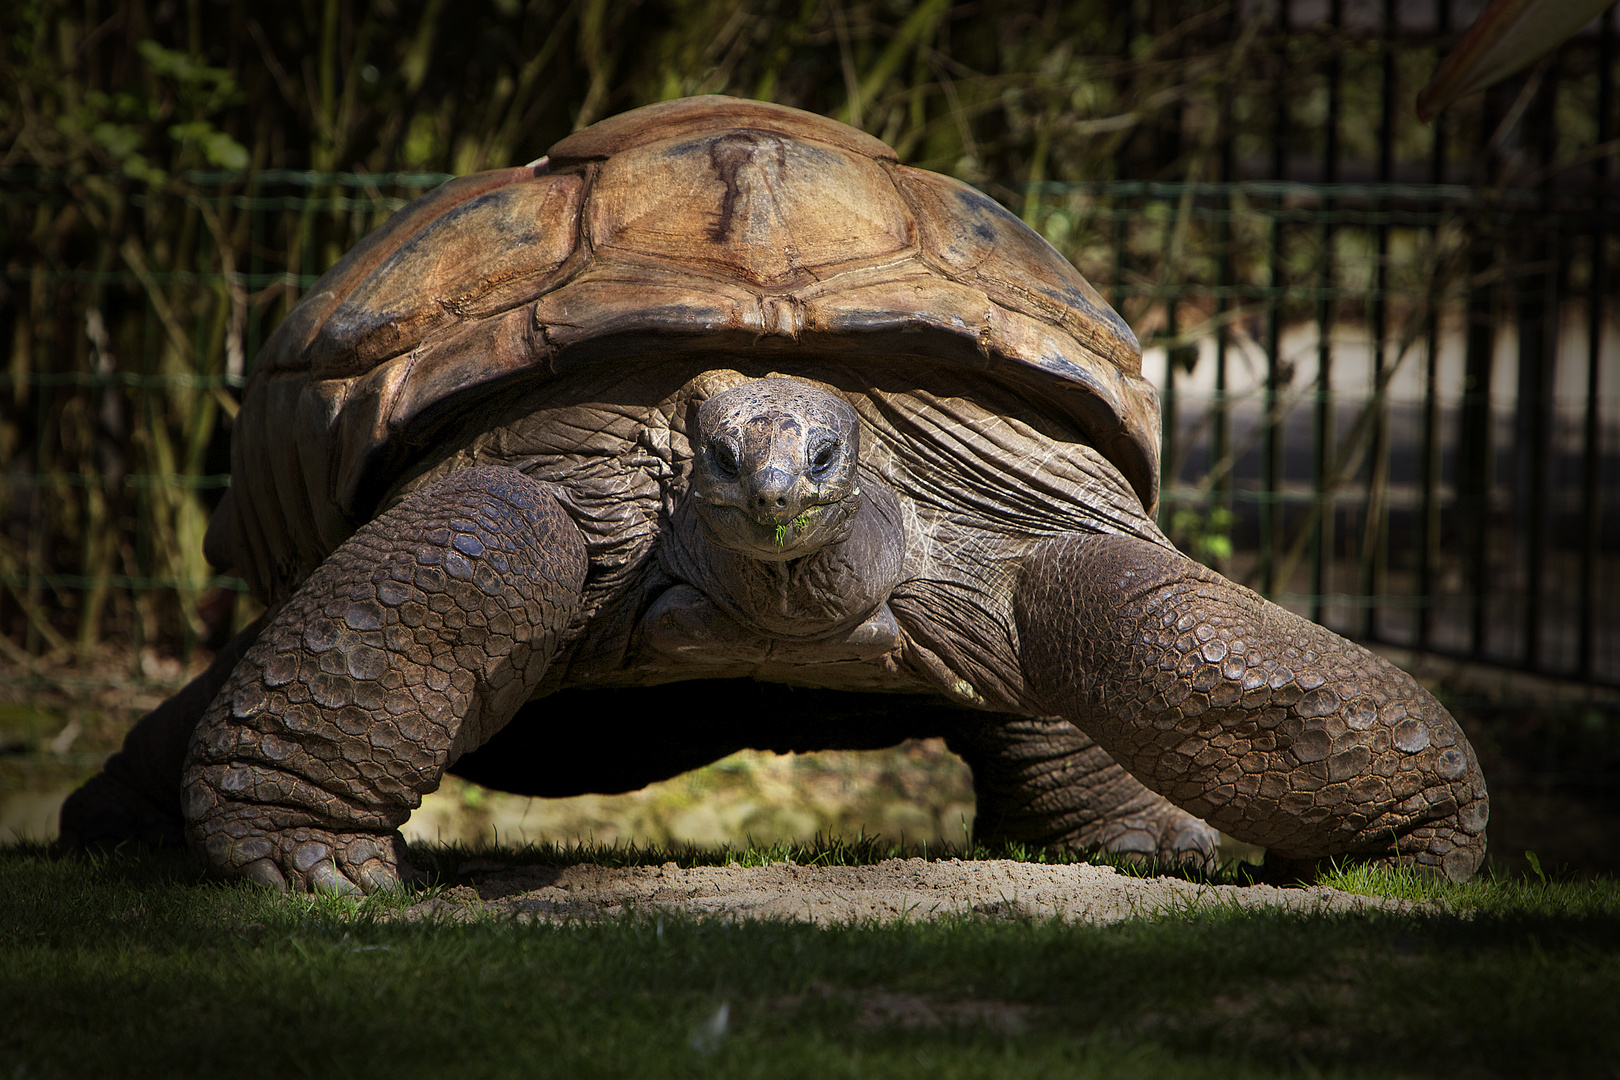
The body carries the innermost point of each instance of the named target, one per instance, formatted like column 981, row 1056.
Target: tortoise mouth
column 816, row 526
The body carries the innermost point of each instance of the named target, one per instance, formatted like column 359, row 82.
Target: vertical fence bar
column 1271, row 505
column 1598, row 293
column 1220, row 421
column 1538, row 337
column 256, row 246
column 1221, row 453
column 1375, row 536
column 1326, row 310
column 1172, row 278
column 141, row 599
column 1170, row 434
column 1428, row 553
column 1475, row 438
column 1116, row 287
column 1475, row 443
column 100, row 501
column 44, row 318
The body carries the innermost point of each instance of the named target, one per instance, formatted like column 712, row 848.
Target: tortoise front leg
column 414, row 642
column 1043, row 782
column 1263, row 723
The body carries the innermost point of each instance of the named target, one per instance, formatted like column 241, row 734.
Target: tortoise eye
column 723, row 460
column 824, row 458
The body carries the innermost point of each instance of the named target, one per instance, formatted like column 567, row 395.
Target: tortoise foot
column 305, row 859
column 1041, row 781
column 1435, row 852
column 1166, row 835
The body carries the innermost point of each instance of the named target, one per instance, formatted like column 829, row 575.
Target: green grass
column 131, row 964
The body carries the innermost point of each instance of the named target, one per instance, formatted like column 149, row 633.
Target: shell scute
column 290, row 345
column 397, row 405
column 749, row 205
column 610, row 315
column 489, row 254
column 706, row 115
column 972, row 238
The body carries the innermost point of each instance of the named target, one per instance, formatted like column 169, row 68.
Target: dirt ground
column 894, row 890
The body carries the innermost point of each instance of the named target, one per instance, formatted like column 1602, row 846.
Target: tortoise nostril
column 771, row 497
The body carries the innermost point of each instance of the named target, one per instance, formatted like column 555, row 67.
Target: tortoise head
column 774, row 468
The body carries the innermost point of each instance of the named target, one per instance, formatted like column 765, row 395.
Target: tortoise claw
column 324, row 877
column 265, row 872
column 375, row 876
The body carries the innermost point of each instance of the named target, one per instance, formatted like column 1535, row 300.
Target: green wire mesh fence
column 124, row 365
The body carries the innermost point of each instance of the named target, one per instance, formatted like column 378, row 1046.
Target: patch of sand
column 891, row 891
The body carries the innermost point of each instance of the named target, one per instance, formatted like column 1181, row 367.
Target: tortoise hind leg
column 1044, row 783
column 1269, row 727
column 136, row 795
column 416, row 640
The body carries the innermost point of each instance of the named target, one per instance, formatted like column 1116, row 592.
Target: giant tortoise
column 719, row 427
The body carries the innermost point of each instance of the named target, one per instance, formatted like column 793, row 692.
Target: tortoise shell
column 710, row 222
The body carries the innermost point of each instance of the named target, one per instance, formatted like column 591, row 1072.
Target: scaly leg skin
column 136, row 795
column 1266, row 725
column 1044, row 783
column 414, row 642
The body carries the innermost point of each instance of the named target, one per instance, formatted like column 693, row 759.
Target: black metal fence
column 1404, row 436
column 1389, row 354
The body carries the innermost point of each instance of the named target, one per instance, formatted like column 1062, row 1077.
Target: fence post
column 1598, row 290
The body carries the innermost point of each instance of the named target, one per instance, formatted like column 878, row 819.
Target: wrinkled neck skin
column 824, row 592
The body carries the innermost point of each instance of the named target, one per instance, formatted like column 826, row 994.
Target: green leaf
column 187, row 132
column 421, row 139
column 219, row 148
column 222, row 150
column 136, row 167
column 121, row 140
column 180, row 67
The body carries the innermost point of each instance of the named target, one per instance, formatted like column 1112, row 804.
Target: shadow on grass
column 129, row 962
